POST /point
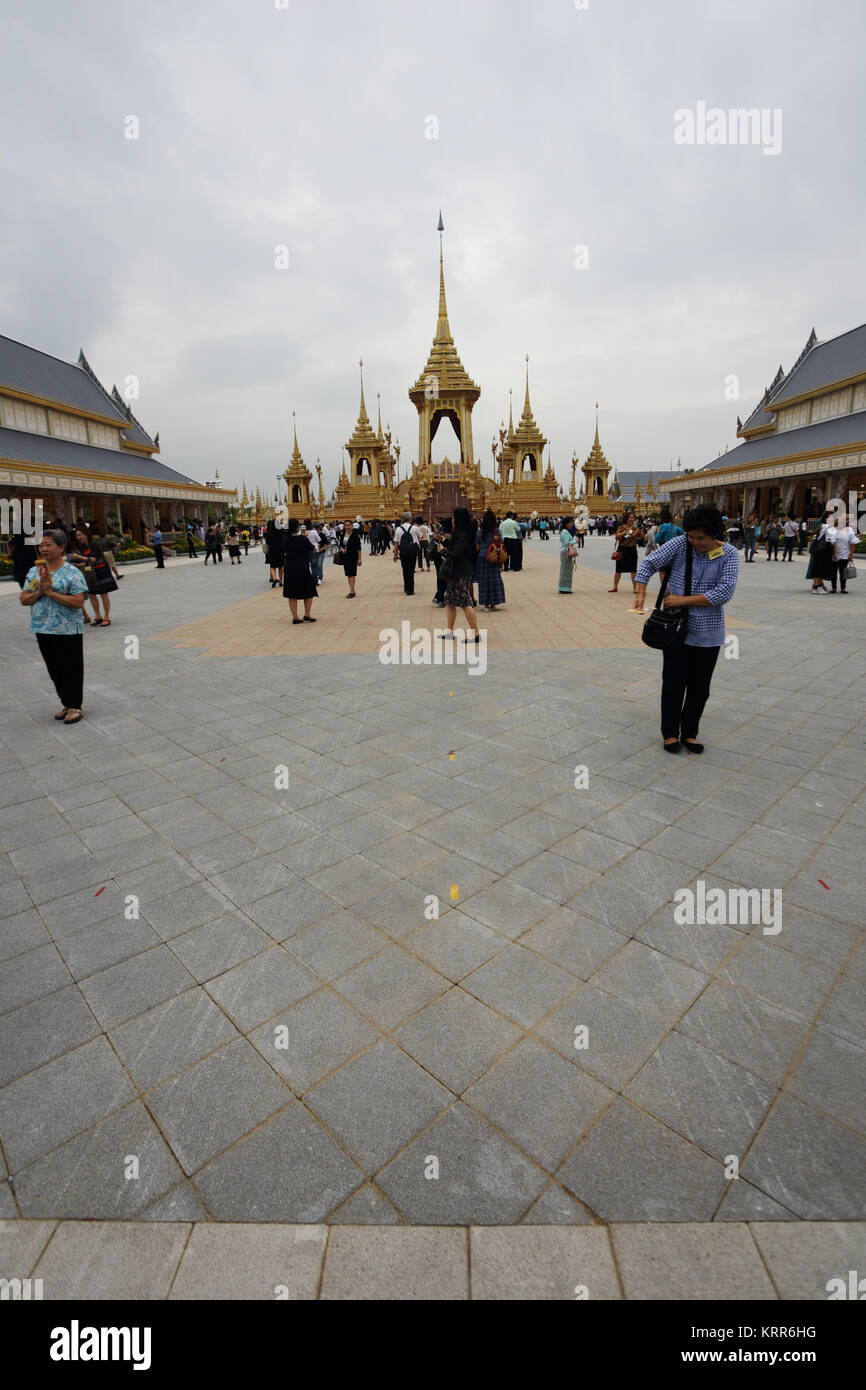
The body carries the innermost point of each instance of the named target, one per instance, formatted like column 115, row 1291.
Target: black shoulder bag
column 667, row 627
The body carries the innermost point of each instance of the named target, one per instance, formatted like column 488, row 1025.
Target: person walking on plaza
column 749, row 537
column 298, row 579
column 274, row 552
column 23, row 555
column 233, row 541
column 423, row 533
column 320, row 545
column 580, row 530
column 843, row 540
column 802, row 535
column 458, row 562
column 190, row 543
column 210, row 545
column 491, row 590
column 568, row 551
column 512, row 539
column 628, row 538
column 86, row 554
column 353, row 557
column 790, row 531
column 405, row 549
column 774, row 531
column 821, row 564
column 54, row 591
column 443, row 529
column 702, row 570
column 666, row 528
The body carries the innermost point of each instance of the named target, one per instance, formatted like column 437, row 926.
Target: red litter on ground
column 823, row 884
column 99, row 890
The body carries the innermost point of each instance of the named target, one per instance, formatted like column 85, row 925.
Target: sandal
column 86, row 619
column 106, row 622
column 62, row 715
column 74, row 716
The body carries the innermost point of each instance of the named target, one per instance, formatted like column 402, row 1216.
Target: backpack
column 407, row 544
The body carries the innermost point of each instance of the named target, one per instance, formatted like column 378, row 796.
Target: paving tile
column 38, row 1032
column 500, row 851
column 282, row 915
column 688, row 1261
column 745, row 1030
column 390, row 987
column 577, row 943
column 455, row 944
column 353, row 880
column 20, row 933
column 456, row 872
column 174, row 913
column 214, row 948
column 630, row 1168
column 105, row 944
column 251, row 1262
column 262, row 987
column 540, row 1102
column 817, row 938
column 399, row 909
column 830, row 1075
column 744, row 1202
column 712, row 1102
column 223, row 853
column 554, row 877
column 66, row 1096
column 845, row 1014
column 367, row 1208
column 22, row 1243
column 461, row 1173
column 542, row 1263
column 377, row 1103
column 86, row 1177
column 111, row 1260
column 520, row 985
column 313, row 852
column 556, row 1207
column 456, row 1039
column 594, row 850
column 803, row 1259
column 288, row 1169
column 312, row 1039
column 651, row 981
column 134, row 986
column 809, row 1163
column 395, row 1263
column 172, row 1036
column 30, row 976
column 336, row 944
column 215, row 1102
column 780, row 978
column 181, row 1204
column 508, row 908
column 245, row 884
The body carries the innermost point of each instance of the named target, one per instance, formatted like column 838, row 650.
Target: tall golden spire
column 296, row 453
column 379, row 434
column 527, row 408
column 363, row 435
column 443, row 331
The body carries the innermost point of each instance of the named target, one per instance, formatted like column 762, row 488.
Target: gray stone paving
column 284, row 1034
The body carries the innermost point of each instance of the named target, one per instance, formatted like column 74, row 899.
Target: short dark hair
column 293, row 525
column 707, row 519
column 462, row 520
column 665, row 515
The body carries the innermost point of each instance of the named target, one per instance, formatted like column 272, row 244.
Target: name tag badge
column 716, row 554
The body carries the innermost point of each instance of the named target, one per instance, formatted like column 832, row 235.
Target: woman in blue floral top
column 54, row 591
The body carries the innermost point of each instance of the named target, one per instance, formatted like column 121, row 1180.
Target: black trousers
column 408, row 564
column 839, row 567
column 686, row 676
column 160, row 562
column 190, row 548
column 773, row 550
column 788, row 548
column 514, row 551
column 64, row 657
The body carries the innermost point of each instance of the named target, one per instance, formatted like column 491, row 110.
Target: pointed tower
column 298, row 478
column 596, row 472
column 444, row 390
column 526, row 488
column 369, row 485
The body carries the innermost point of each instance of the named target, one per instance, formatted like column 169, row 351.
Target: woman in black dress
column 628, row 537
column 87, row 554
column 352, row 552
column 274, row 541
column 298, row 581
column 459, row 560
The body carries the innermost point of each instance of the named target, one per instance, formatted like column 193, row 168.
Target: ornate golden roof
column 297, row 468
column 444, row 364
column 596, row 461
column 527, row 435
column 363, row 436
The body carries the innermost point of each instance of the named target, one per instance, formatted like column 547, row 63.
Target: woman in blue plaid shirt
column 688, row 669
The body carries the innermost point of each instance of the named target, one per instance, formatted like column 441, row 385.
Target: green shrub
column 5, row 566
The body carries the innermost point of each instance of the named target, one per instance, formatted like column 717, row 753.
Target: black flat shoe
column 296, row 621
column 305, row 619
column 672, row 747
column 691, row 747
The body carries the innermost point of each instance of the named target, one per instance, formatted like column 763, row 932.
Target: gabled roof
column 74, row 385
column 823, row 364
column 47, row 452
column 829, row 434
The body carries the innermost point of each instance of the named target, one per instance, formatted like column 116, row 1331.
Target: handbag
column 339, row 557
column 667, row 627
column 851, row 571
column 571, row 551
column 616, row 555
column 496, row 552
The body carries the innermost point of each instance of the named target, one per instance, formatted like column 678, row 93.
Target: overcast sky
column 308, row 126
